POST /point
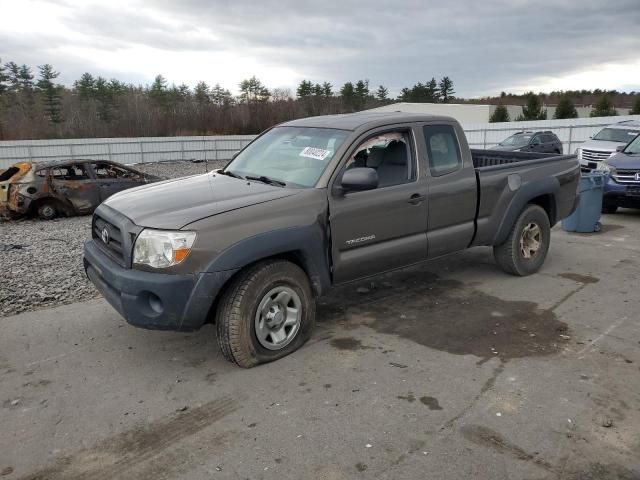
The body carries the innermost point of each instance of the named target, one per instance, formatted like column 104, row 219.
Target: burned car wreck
column 63, row 187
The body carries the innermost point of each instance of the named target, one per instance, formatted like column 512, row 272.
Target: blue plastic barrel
column 586, row 218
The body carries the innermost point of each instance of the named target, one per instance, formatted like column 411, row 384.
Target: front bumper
column 156, row 301
column 621, row 195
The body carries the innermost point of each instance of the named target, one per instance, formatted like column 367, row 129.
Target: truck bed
column 483, row 159
column 502, row 176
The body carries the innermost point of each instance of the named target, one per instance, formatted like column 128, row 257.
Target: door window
column 536, row 140
column 443, row 149
column 109, row 171
column 69, row 172
column 390, row 154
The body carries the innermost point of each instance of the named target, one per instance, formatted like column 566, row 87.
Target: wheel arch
column 59, row 204
column 304, row 246
column 541, row 192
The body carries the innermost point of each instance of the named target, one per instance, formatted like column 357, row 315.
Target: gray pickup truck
column 310, row 204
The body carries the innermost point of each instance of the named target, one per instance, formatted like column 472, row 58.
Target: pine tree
column 318, row 91
column 201, row 94
column 304, row 89
column 565, row 108
column 382, row 94
column 347, row 92
column 533, row 109
column 13, row 76
column 327, row 89
column 603, row 108
column 158, row 91
column 361, row 93
column 636, row 107
column 221, row 96
column 104, row 95
column 500, row 114
column 433, row 94
column 25, row 77
column 405, row 95
column 4, row 79
column 49, row 90
column 445, row 89
column 252, row 91
column 86, row 86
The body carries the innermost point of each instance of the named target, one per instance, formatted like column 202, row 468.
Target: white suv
column 605, row 142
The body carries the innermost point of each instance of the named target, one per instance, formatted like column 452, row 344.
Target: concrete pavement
column 450, row 370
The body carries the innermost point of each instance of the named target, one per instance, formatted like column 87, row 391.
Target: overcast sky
column 484, row 46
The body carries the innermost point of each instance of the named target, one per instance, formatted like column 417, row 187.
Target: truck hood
column 624, row 161
column 172, row 204
column 601, row 146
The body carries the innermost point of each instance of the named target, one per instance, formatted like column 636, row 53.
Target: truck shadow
column 446, row 315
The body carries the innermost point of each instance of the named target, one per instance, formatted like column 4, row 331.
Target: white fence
column 124, row 150
column 572, row 132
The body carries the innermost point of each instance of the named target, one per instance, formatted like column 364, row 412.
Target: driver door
column 385, row 228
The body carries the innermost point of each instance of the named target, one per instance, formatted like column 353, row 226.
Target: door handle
column 416, row 199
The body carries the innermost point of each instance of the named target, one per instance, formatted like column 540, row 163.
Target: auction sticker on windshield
column 315, row 153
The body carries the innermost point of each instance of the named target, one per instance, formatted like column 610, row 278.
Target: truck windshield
column 634, row 147
column 516, row 140
column 620, row 135
column 294, row 156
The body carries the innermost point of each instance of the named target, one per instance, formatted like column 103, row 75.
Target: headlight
column 161, row 249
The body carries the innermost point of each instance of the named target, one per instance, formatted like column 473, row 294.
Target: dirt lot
column 451, row 370
column 42, row 261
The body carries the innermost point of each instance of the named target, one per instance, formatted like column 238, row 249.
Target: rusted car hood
column 172, row 204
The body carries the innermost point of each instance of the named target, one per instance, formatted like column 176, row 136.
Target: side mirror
column 620, row 148
column 359, row 179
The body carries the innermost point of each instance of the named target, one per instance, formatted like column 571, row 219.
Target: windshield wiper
column 229, row 173
column 265, row 179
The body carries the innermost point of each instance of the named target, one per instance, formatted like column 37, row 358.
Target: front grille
column 627, row 177
column 115, row 244
column 594, row 155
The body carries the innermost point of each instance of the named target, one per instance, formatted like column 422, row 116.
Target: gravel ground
column 41, row 262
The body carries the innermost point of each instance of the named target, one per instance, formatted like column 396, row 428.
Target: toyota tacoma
column 314, row 203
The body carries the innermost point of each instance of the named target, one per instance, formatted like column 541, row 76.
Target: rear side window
column 443, row 149
column 69, row 172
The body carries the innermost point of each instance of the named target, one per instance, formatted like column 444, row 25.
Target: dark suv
column 541, row 142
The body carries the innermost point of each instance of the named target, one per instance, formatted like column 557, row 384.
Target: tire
column 241, row 319
column 47, row 210
column 609, row 208
column 511, row 255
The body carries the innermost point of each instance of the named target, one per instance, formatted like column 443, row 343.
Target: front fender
column 307, row 243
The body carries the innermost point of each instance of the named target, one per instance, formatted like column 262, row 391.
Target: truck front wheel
column 267, row 312
column 526, row 247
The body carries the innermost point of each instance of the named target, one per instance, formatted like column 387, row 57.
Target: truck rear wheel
column 609, row 208
column 267, row 312
column 526, row 247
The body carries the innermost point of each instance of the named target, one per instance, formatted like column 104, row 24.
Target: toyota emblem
column 104, row 235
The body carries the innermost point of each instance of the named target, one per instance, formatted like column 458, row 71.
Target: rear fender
column 522, row 197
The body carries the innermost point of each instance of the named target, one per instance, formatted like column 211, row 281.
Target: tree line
column 533, row 109
column 34, row 105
